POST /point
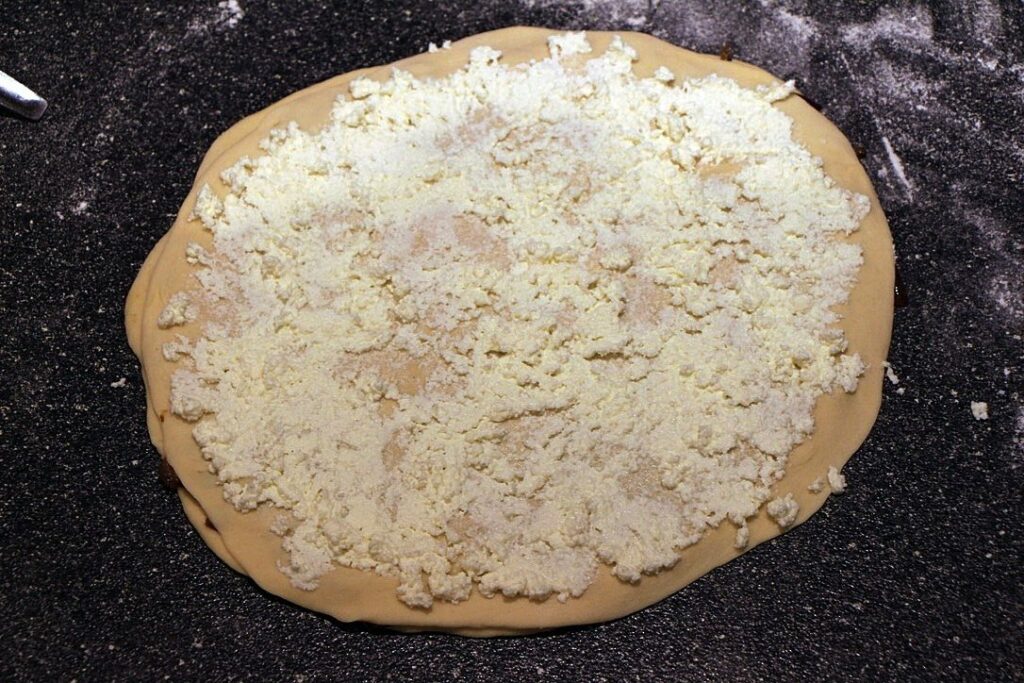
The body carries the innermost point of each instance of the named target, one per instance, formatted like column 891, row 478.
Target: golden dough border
column 244, row 542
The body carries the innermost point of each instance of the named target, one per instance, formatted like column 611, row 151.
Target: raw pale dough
column 244, row 541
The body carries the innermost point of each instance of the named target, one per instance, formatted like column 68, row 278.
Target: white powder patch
column 463, row 350
column 756, row 30
column 911, row 29
column 986, row 22
column 230, row 13
column 226, row 15
column 81, row 200
column 901, row 71
column 903, row 85
column 1018, row 430
column 1004, row 254
column 630, row 14
column 909, row 24
column 1006, row 292
column 803, row 27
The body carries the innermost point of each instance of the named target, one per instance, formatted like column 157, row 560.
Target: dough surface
column 245, row 542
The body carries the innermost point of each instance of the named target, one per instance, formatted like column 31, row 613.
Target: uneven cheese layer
column 499, row 328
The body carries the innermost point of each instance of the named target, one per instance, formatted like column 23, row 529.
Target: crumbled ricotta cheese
column 778, row 91
column 836, row 480
column 783, row 510
column 979, row 409
column 742, row 537
column 208, row 207
column 568, row 44
column 179, row 311
column 172, row 351
column 363, row 87
column 500, row 328
column 890, row 373
column 816, row 486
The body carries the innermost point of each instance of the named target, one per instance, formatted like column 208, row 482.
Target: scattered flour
column 1004, row 253
column 756, row 30
column 901, row 72
column 908, row 24
column 622, row 14
column 230, row 13
column 803, row 27
column 1007, row 293
column 1018, row 430
column 226, row 15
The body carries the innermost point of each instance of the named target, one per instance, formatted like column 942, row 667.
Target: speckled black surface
column 913, row 574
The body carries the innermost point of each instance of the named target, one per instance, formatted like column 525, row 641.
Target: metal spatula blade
column 20, row 99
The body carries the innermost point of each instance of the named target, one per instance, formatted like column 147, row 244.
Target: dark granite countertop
column 915, row 573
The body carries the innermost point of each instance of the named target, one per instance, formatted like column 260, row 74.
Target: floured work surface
column 492, row 345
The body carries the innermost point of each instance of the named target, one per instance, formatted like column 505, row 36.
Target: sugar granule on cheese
column 498, row 329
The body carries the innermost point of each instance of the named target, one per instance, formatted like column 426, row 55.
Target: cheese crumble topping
column 836, row 480
column 500, row 328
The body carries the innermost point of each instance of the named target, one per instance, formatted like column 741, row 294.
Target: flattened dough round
column 244, row 541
